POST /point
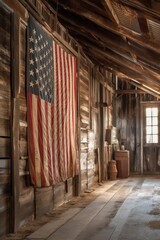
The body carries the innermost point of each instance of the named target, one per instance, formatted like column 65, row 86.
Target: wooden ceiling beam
column 143, row 26
column 113, row 65
column 106, row 52
column 148, row 57
column 147, row 76
column 94, row 7
column 122, row 73
column 116, row 43
column 106, row 25
column 144, row 9
column 130, row 91
column 140, row 86
column 108, row 6
column 146, row 90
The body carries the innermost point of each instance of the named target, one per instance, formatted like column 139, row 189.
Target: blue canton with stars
column 40, row 62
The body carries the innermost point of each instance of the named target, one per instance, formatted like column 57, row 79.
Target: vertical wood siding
column 84, row 84
column 5, row 117
column 26, row 192
column 128, row 125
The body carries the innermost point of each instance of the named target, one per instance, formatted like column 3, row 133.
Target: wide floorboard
column 125, row 209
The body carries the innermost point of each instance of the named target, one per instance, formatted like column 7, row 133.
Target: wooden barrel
column 112, row 170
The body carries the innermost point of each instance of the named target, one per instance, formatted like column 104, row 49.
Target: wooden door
column 151, row 138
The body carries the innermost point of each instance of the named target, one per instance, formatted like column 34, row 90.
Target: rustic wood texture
column 5, row 119
column 59, row 194
column 27, row 206
column 14, row 224
column 84, row 83
column 26, row 191
column 115, row 32
column 44, row 199
column 69, row 191
column 128, row 115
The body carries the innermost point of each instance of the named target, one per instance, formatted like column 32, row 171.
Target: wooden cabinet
column 123, row 164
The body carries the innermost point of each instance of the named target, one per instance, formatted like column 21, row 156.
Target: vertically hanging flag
column 65, row 111
column 51, row 92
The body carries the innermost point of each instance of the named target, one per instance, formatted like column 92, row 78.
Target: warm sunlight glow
column 152, row 125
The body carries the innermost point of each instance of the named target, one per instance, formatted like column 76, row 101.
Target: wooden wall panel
column 4, row 226
column 59, row 194
column 68, row 189
column 26, row 197
column 44, row 200
column 5, row 117
column 84, row 101
column 127, row 123
column 5, row 148
column 4, row 127
column 89, row 138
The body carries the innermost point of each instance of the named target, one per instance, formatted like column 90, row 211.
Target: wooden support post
column 14, row 219
column 141, row 137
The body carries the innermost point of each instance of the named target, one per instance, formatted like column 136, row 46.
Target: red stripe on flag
column 31, row 139
column 53, row 142
column 69, row 114
column 57, row 136
column 65, row 113
column 49, row 147
column 60, row 95
column 40, row 141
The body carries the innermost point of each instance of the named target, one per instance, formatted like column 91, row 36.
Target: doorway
column 150, row 138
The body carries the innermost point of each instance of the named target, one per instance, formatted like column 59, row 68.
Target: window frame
column 151, row 105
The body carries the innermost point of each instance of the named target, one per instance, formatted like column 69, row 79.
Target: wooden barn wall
column 84, row 108
column 127, row 115
column 26, row 201
column 95, row 117
column 105, row 120
column 94, row 99
column 5, row 118
column 17, row 205
column 26, row 192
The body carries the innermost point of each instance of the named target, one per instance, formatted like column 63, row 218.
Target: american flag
column 51, row 92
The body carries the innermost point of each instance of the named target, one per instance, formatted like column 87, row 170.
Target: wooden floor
column 127, row 209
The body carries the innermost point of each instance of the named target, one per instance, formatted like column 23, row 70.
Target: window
column 152, row 125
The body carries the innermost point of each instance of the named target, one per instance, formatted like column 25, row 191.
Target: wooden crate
column 123, row 165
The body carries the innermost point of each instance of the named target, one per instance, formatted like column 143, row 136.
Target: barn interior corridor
column 126, row 209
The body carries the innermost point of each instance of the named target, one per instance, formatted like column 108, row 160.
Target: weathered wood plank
column 4, row 179
column 5, row 147
column 59, row 194
column 84, row 113
column 4, row 189
column 23, row 148
column 18, row 7
column 26, row 205
column 4, row 128
column 68, row 189
column 4, row 203
column 5, row 109
column 44, row 199
column 23, row 131
column 5, row 166
column 4, row 227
